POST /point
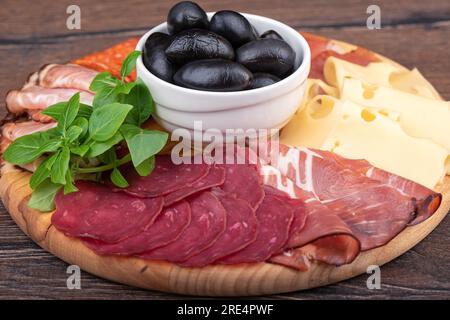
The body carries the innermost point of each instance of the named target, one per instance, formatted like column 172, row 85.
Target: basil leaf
column 80, row 150
column 142, row 102
column 73, row 133
column 60, row 167
column 41, row 174
column 84, row 111
column 83, row 124
column 109, row 157
column 146, row 167
column 125, row 88
column 50, row 146
column 129, row 63
column 102, row 80
column 69, row 187
column 43, row 197
column 25, row 149
column 143, row 143
column 64, row 112
column 107, row 95
column 51, row 161
column 99, row 147
column 118, row 179
column 106, row 120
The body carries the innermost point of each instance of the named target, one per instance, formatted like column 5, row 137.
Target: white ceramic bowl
column 269, row 107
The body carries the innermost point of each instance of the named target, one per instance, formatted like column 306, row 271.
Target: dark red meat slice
column 167, row 177
column 207, row 225
column 214, row 178
column 95, row 212
column 166, row 229
column 241, row 230
column 274, row 218
column 427, row 200
column 374, row 211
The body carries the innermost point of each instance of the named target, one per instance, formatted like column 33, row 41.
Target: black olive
column 267, row 55
column 154, row 57
column 186, row 15
column 271, row 34
column 262, row 80
column 255, row 32
column 233, row 26
column 197, row 44
column 213, row 75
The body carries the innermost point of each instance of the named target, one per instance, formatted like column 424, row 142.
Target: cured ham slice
column 93, row 213
column 374, row 211
column 14, row 130
column 70, row 76
column 167, row 177
column 207, row 225
column 166, row 229
column 323, row 236
column 214, row 178
column 38, row 98
column 274, row 218
column 427, row 200
column 241, row 230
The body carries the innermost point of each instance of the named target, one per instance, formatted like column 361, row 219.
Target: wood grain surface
column 414, row 33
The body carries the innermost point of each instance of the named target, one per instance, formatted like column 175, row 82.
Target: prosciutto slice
column 93, row 213
column 427, row 200
column 166, row 178
column 207, row 225
column 241, row 230
column 166, row 229
column 361, row 202
column 38, row 98
column 70, row 76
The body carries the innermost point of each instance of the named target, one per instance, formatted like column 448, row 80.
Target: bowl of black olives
column 227, row 69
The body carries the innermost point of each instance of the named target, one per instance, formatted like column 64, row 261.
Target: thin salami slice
column 166, row 229
column 95, row 212
column 207, row 225
column 274, row 218
column 241, row 230
column 214, row 178
column 167, row 177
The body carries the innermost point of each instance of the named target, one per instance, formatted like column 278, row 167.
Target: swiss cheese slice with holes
column 379, row 73
column 418, row 116
column 355, row 132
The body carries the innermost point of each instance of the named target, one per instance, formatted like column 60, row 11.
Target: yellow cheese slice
column 359, row 133
column 413, row 82
column 315, row 87
column 418, row 116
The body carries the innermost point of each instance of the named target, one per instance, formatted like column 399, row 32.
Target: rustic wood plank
column 28, row 21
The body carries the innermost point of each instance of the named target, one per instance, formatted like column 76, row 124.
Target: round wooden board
column 216, row 280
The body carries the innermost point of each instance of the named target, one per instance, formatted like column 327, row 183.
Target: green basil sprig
column 83, row 144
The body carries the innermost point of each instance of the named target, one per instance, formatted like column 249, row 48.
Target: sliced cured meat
column 70, row 76
column 166, row 229
column 95, row 212
column 167, row 177
column 312, row 240
column 208, row 223
column 14, row 130
column 427, row 200
column 374, row 211
column 244, row 182
column 35, row 97
column 274, row 218
column 241, row 230
column 214, row 178
column 110, row 59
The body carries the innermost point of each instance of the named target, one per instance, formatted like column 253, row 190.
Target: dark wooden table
column 415, row 33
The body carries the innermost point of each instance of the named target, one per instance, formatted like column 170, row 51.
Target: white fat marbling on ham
column 12, row 131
